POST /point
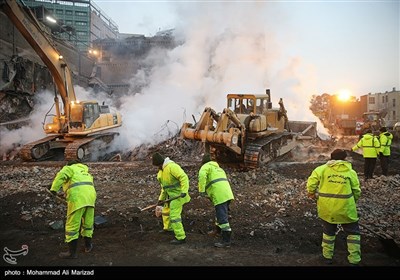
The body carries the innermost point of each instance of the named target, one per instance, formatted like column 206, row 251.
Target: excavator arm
column 30, row 28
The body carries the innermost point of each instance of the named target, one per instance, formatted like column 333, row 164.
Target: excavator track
column 265, row 150
column 83, row 149
column 74, row 148
column 37, row 150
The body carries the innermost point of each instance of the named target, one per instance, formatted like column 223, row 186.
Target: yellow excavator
column 249, row 130
column 76, row 124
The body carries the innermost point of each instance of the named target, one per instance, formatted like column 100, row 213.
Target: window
column 394, row 115
column 59, row 12
column 81, row 23
column 371, row 100
column 68, row 12
column 394, row 102
column 78, row 13
column 383, row 99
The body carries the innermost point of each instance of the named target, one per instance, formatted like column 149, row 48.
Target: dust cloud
column 221, row 54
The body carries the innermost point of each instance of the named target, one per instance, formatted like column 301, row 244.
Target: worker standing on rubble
column 385, row 139
column 80, row 194
column 336, row 187
column 174, row 182
column 214, row 184
column 370, row 146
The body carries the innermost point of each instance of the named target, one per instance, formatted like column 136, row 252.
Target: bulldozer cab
column 247, row 103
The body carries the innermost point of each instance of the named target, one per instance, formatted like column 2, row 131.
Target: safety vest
column 369, row 144
column 77, row 184
column 173, row 180
column 338, row 190
column 385, row 139
column 213, row 181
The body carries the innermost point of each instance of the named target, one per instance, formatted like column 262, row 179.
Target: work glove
column 158, row 211
column 312, row 195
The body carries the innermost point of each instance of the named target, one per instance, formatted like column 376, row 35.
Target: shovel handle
column 162, row 202
column 56, row 196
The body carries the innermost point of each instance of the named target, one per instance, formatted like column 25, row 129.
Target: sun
column 344, row 95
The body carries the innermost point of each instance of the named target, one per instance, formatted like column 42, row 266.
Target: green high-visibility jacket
column 77, row 184
column 173, row 180
column 385, row 139
column 213, row 181
column 338, row 190
column 370, row 145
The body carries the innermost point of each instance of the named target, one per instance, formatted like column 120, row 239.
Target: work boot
column 178, row 242
column 327, row 261
column 215, row 232
column 226, row 240
column 88, row 244
column 71, row 253
column 166, row 231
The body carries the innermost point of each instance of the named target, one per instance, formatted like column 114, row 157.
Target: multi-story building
column 77, row 21
column 388, row 102
column 121, row 58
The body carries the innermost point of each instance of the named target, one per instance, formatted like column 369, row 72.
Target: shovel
column 60, row 199
column 139, row 210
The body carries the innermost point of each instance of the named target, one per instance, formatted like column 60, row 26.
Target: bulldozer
column 79, row 129
column 373, row 121
column 249, row 131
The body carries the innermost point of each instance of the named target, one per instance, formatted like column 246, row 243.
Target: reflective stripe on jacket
column 338, row 190
column 385, row 139
column 369, row 144
column 173, row 181
column 213, row 181
column 77, row 184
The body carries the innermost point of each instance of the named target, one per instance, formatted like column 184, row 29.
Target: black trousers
column 384, row 160
column 369, row 167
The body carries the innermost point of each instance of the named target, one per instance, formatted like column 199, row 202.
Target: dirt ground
column 274, row 223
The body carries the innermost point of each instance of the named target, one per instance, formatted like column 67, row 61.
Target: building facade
column 77, row 21
column 388, row 101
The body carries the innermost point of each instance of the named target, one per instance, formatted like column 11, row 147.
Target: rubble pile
column 264, row 199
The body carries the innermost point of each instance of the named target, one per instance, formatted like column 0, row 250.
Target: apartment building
column 388, row 101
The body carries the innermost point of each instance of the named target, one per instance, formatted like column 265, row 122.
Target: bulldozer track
column 265, row 150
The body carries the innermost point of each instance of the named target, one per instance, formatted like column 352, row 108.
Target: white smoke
column 230, row 50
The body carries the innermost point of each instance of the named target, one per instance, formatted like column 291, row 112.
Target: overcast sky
column 340, row 44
